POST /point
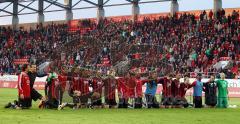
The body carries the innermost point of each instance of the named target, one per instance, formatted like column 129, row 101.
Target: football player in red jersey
column 62, row 85
column 167, row 98
column 25, row 94
column 84, row 89
column 52, row 82
column 179, row 91
column 110, row 86
column 97, row 86
column 123, row 91
column 182, row 92
column 80, row 89
column 74, row 91
column 138, row 91
column 131, row 82
column 24, row 90
column 176, row 91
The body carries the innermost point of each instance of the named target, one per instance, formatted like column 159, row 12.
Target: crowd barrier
column 10, row 81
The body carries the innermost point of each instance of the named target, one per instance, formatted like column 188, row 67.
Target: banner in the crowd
column 20, row 61
column 222, row 65
column 10, row 81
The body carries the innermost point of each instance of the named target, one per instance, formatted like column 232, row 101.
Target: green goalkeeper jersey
column 51, row 76
column 222, row 88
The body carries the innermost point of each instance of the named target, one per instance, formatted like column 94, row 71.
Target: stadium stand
column 186, row 43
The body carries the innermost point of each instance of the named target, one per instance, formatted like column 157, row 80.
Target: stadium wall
column 10, row 81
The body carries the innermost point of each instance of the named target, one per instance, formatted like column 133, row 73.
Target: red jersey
column 130, row 87
column 76, row 84
column 50, row 88
column 131, row 84
column 110, row 87
column 24, row 85
column 122, row 87
column 166, row 85
column 97, row 85
column 183, row 89
column 81, row 84
column 62, row 81
column 139, row 84
column 175, row 88
column 84, row 85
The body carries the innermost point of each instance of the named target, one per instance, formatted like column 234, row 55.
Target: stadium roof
column 62, row 6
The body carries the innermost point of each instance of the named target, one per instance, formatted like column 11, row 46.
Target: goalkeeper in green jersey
column 222, row 85
column 51, row 93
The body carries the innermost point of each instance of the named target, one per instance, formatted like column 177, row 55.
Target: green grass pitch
column 116, row 116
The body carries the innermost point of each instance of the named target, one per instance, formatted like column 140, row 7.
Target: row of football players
column 129, row 87
column 82, row 88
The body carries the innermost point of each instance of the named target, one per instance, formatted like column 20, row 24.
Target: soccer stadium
column 120, row 61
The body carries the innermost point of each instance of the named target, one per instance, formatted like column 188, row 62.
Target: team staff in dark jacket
column 32, row 73
column 210, row 89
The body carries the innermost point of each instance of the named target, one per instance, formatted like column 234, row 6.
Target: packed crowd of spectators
column 183, row 43
column 35, row 44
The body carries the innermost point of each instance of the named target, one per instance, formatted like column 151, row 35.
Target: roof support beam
column 217, row 5
column 135, row 10
column 15, row 19
column 49, row 5
column 90, row 2
column 6, row 6
column 76, row 3
column 40, row 17
column 174, row 7
column 69, row 13
column 3, row 1
column 106, row 2
column 2, row 10
column 27, row 6
column 100, row 10
column 54, row 2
